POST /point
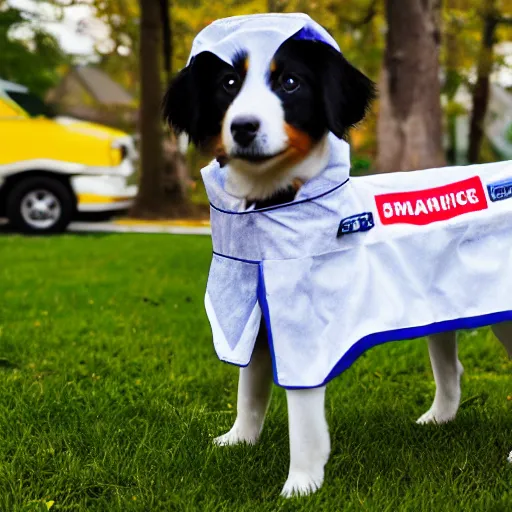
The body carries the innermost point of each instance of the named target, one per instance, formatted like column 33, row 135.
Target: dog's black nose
column 244, row 129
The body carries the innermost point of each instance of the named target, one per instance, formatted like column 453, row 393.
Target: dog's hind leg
column 310, row 444
column 503, row 332
column 254, row 389
column 447, row 373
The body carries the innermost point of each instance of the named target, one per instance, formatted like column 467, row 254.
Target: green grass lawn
column 111, row 394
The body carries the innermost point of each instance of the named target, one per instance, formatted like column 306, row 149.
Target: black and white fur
column 270, row 126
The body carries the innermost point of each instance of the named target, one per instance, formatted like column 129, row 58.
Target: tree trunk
column 481, row 89
column 452, row 81
column 166, row 39
column 409, row 127
column 176, row 175
column 150, row 199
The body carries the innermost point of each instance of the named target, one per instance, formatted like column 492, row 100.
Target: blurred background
column 81, row 83
column 110, row 389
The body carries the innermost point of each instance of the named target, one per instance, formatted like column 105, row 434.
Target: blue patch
column 309, row 34
column 500, row 190
column 355, row 223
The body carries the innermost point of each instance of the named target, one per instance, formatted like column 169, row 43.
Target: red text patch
column 422, row 207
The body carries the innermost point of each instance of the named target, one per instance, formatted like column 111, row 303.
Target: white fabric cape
column 352, row 262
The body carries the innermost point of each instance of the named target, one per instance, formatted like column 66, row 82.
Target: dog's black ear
column 194, row 103
column 180, row 103
column 347, row 93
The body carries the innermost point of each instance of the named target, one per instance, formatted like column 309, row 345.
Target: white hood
column 259, row 35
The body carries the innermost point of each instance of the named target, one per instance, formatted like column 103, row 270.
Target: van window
column 32, row 104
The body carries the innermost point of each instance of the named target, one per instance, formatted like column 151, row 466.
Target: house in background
column 89, row 93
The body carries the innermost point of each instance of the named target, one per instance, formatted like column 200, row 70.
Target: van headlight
column 123, row 148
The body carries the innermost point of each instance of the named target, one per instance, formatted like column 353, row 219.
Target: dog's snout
column 244, row 129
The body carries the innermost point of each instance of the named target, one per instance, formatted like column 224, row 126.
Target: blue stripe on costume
column 379, row 338
column 279, row 206
column 253, row 262
column 262, row 299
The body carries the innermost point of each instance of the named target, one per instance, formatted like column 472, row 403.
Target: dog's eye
column 231, row 83
column 290, row 83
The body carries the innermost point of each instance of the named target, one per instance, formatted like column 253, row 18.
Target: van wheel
column 40, row 205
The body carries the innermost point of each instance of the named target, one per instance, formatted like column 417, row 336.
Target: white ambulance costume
column 352, row 262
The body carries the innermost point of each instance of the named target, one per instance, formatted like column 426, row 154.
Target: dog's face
column 259, row 120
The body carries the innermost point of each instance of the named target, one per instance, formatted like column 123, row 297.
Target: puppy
column 271, row 130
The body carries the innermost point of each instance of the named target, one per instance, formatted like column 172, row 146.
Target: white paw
column 300, row 483
column 235, row 436
column 509, row 458
column 437, row 416
column 444, row 408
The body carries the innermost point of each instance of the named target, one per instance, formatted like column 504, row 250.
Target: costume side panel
column 233, row 311
column 325, row 310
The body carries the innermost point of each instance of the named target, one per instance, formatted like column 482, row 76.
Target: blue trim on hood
column 310, row 34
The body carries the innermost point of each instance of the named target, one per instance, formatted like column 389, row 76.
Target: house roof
column 103, row 89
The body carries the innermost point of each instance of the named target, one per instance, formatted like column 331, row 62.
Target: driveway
column 178, row 227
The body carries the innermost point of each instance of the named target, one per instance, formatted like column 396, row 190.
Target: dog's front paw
column 437, row 416
column 300, row 483
column 236, row 436
column 446, row 402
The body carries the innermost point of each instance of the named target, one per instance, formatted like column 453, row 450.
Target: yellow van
column 53, row 168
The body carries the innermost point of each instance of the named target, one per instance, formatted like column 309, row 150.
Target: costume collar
column 335, row 173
